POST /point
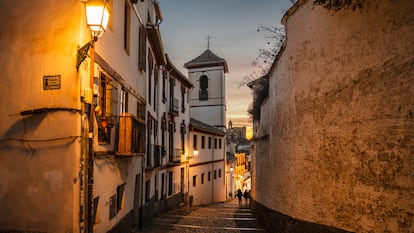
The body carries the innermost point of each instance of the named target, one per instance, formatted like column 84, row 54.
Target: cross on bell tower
column 208, row 41
column 208, row 97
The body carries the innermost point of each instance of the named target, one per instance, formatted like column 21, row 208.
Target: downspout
column 88, row 207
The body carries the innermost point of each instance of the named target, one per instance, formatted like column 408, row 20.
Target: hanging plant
column 337, row 5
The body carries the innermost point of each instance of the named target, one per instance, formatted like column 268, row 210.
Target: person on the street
column 239, row 196
column 246, row 197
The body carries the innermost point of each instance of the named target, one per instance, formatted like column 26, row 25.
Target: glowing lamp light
column 195, row 153
column 104, row 123
column 97, row 17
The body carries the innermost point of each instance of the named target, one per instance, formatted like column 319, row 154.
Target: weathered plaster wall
column 38, row 171
column 341, row 136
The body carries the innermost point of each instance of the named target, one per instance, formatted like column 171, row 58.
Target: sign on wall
column 51, row 82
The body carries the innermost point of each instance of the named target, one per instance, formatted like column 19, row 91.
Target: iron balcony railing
column 175, row 157
column 154, row 156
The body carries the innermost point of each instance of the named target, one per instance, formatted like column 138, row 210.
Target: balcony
column 131, row 135
column 154, row 156
column 175, row 157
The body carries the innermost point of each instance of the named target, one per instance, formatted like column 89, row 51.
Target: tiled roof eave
column 154, row 38
column 207, row 64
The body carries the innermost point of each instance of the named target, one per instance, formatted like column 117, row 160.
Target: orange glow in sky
column 232, row 29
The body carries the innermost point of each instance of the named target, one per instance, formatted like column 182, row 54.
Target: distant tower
column 208, row 97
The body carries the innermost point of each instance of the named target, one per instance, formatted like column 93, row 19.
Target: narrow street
column 221, row 217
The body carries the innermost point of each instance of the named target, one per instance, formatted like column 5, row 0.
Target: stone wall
column 341, row 130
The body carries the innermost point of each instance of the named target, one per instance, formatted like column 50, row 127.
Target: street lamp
column 97, row 17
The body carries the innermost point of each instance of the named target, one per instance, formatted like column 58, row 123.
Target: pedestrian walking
column 239, row 196
column 246, row 197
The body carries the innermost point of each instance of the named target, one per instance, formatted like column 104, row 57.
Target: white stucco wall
column 38, row 167
column 213, row 110
column 341, row 119
column 208, row 160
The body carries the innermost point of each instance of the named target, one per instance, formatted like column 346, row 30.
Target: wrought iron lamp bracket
column 83, row 53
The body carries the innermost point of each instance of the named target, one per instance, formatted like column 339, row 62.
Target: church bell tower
column 208, row 97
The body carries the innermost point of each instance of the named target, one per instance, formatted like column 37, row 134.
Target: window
column 120, row 197
column 171, row 130
column 203, row 92
column 155, row 87
column 195, row 142
column 162, row 186
column 123, row 102
column 219, row 173
column 163, row 129
column 215, row 174
column 147, row 190
column 142, row 49
column 138, row 129
column 202, row 178
column 156, row 187
column 112, row 207
column 141, row 110
column 127, row 26
column 150, row 69
column 194, row 181
column 183, row 131
column 95, row 213
column 183, row 99
column 170, row 183
column 202, row 142
column 107, row 99
column 220, row 143
column 164, row 80
column 215, row 143
column 209, row 176
column 209, row 142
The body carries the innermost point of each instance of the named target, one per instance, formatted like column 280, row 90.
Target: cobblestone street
column 222, row 217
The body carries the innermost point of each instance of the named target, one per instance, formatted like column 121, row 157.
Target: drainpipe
column 90, row 155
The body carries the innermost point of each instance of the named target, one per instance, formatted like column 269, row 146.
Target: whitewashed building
column 55, row 175
column 167, row 135
column 207, row 166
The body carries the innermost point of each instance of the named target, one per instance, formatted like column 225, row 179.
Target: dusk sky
column 232, row 26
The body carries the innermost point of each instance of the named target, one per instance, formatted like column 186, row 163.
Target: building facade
column 94, row 144
column 334, row 141
column 206, row 164
column 167, row 132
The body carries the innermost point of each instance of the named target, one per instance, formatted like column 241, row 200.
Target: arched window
column 203, row 92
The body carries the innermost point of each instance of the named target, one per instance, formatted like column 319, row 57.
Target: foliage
column 260, row 88
column 337, row 5
column 257, row 80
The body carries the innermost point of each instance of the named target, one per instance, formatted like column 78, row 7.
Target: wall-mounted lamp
column 97, row 18
column 190, row 157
